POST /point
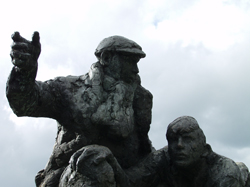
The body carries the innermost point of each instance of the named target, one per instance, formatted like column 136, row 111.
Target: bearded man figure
column 106, row 106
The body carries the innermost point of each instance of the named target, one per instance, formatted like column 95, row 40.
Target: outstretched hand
column 24, row 53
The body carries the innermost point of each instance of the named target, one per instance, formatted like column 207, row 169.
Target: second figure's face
column 185, row 149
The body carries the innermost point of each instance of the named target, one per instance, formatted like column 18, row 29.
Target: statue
column 107, row 106
column 188, row 161
column 103, row 119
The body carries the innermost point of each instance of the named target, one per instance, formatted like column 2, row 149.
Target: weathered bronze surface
column 103, row 119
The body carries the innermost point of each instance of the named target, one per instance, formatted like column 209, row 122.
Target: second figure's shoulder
column 226, row 164
column 224, row 171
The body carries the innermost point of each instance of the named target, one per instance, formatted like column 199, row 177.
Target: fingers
column 24, row 52
column 19, row 55
column 74, row 158
column 18, row 62
column 16, row 37
column 20, row 46
column 19, row 58
column 36, row 39
column 96, row 153
column 100, row 158
column 87, row 153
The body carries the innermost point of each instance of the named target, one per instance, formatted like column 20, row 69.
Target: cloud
column 210, row 86
column 209, row 22
column 26, row 145
column 196, row 64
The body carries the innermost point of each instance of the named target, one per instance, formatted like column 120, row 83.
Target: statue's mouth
column 180, row 156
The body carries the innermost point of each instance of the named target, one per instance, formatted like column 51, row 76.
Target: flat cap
column 119, row 44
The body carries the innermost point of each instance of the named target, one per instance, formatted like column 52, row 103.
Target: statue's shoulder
column 227, row 165
column 143, row 96
column 68, row 81
column 145, row 92
column 223, row 171
column 81, row 81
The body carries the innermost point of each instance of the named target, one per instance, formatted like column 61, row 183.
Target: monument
column 103, row 118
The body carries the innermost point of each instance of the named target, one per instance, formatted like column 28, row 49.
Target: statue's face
column 121, row 66
column 185, row 148
column 129, row 68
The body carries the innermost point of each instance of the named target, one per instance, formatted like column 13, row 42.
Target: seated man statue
column 188, row 161
column 107, row 106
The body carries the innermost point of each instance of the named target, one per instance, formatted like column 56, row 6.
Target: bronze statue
column 103, row 121
column 187, row 161
column 106, row 106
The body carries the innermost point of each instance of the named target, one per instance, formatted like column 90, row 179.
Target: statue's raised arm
column 21, row 83
column 26, row 96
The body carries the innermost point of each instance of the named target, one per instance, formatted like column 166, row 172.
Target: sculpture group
column 103, row 119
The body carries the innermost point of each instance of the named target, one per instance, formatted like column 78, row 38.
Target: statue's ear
column 105, row 58
column 207, row 150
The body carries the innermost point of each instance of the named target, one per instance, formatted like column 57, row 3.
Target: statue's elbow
column 18, row 113
column 15, row 104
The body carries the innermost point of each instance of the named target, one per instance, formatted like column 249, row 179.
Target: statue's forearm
column 121, row 177
column 21, row 84
column 21, row 90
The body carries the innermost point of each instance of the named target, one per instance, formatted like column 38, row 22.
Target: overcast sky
column 197, row 64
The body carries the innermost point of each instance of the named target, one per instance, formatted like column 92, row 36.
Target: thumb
column 36, row 39
column 16, row 37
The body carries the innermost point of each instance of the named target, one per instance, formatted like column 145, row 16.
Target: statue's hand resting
column 89, row 155
column 24, row 53
column 90, row 166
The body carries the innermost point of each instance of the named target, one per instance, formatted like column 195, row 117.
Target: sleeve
column 28, row 97
column 147, row 173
